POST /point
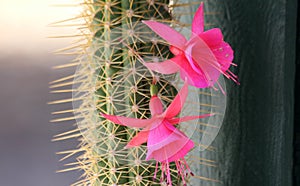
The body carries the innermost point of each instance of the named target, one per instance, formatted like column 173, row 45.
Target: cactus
column 111, row 79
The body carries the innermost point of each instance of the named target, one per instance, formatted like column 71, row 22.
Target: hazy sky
column 24, row 23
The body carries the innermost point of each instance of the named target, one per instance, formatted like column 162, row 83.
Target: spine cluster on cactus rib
column 111, row 79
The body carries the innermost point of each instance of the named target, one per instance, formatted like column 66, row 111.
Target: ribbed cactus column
column 111, row 79
column 123, row 86
column 105, row 20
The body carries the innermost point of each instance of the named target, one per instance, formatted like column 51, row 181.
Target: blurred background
column 27, row 155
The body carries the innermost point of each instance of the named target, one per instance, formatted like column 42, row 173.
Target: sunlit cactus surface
column 110, row 78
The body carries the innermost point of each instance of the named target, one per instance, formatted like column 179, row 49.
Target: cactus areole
column 140, row 122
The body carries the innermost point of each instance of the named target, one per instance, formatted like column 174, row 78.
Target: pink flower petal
column 159, row 137
column 185, row 144
column 188, row 73
column 224, row 55
column 167, row 33
column 175, row 107
column 155, row 105
column 190, row 59
column 172, row 152
column 221, row 50
column 194, row 78
column 203, row 56
column 212, row 37
column 198, row 21
column 187, row 118
column 186, row 147
column 130, row 122
column 139, row 139
column 167, row 143
column 176, row 51
column 165, row 67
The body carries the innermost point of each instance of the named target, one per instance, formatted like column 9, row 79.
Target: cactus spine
column 112, row 80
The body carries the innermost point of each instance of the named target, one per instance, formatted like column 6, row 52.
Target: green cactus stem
column 112, row 79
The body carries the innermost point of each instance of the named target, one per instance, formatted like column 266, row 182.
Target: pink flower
column 201, row 59
column 165, row 143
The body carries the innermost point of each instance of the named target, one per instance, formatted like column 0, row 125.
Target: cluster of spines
column 111, row 80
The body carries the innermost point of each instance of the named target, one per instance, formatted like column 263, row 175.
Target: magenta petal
column 224, row 55
column 130, row 122
column 173, row 151
column 175, row 107
column 139, row 139
column 212, row 37
column 159, row 138
column 188, row 73
column 165, row 67
column 203, row 56
column 190, row 59
column 167, row 143
column 221, row 50
column 185, row 144
column 186, row 147
column 187, row 118
column 198, row 21
column 155, row 105
column 172, row 36
column 194, row 78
